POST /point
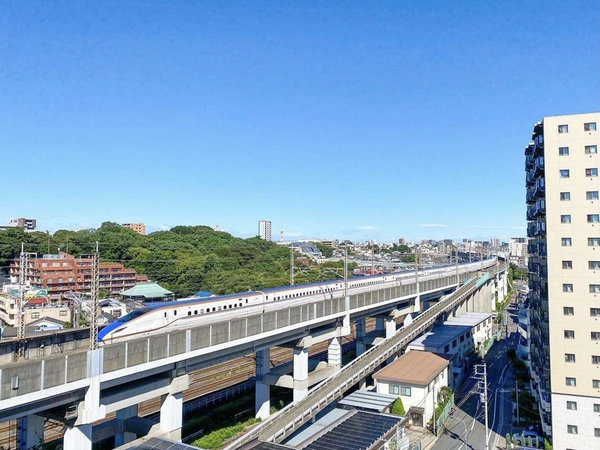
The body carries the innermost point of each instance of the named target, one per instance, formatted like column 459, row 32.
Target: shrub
column 398, row 407
column 218, row 437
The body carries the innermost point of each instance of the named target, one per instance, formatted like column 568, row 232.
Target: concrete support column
column 78, row 437
column 262, row 401
column 334, row 353
column 123, row 437
column 390, row 327
column 171, row 415
column 361, row 347
column 379, row 324
column 30, row 432
column 300, row 373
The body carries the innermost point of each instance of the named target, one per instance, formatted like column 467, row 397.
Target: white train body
column 187, row 313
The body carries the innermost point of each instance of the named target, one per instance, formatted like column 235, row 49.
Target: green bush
column 398, row 407
column 218, row 437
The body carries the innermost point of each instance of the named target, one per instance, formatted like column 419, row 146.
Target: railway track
column 202, row 382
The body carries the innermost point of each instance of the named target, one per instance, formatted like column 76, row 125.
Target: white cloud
column 432, row 225
column 367, row 227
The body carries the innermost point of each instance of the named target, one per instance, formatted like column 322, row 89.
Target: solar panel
column 359, row 431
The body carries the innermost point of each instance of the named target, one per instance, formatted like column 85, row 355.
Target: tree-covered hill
column 185, row 259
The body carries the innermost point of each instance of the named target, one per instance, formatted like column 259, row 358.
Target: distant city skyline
column 340, row 120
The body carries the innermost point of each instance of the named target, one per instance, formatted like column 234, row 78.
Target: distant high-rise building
column 401, row 241
column 22, row 222
column 563, row 221
column 264, row 229
column 495, row 242
column 139, row 228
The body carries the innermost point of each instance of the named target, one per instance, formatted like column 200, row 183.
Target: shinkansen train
column 186, row 313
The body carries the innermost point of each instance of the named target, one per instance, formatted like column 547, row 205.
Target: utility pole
column 291, row 266
column 345, row 270
column 372, row 260
column 456, row 262
column 482, row 377
column 21, row 301
column 95, row 291
column 517, row 391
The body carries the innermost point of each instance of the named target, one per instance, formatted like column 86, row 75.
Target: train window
column 175, row 312
column 246, row 301
column 189, row 313
column 219, row 308
column 214, row 309
column 165, row 314
column 196, row 312
column 240, row 305
column 201, row 311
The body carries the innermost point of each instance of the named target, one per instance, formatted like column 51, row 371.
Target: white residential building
column 264, row 229
column 416, row 377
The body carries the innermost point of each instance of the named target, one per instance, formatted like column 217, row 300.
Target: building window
column 568, row 311
column 563, row 129
column 591, row 149
column 569, row 334
column 595, row 335
column 595, row 359
column 454, row 343
column 394, row 389
column 565, row 218
column 567, row 265
column 591, row 195
column 406, row 391
column 570, row 357
column 564, row 173
column 594, row 288
column 596, row 384
column 572, row 429
column 566, row 242
column 565, row 196
column 597, row 407
column 563, row 151
column 446, row 348
column 589, row 126
column 567, row 287
column 594, row 241
column 571, row 381
column 62, row 313
column 597, row 432
column 593, row 218
column 572, row 405
column 35, row 315
column 594, row 265
column 594, row 312
column 591, row 172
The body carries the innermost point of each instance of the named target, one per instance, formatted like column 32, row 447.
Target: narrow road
column 466, row 430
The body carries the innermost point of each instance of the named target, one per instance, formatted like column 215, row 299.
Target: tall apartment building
column 61, row 273
column 563, row 214
column 139, row 228
column 264, row 229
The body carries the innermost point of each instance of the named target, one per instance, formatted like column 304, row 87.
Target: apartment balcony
column 538, row 149
column 530, row 196
column 538, row 166
column 529, row 161
column 539, row 189
column 530, row 178
column 529, row 149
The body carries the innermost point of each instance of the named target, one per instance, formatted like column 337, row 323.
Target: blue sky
column 360, row 120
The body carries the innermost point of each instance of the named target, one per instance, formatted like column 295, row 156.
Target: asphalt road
column 466, row 430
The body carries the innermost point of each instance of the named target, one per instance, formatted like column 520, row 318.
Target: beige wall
column 580, row 253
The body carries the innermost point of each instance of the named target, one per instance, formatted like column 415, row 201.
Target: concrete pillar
column 390, row 327
column 262, row 401
column 300, row 373
column 171, row 415
column 334, row 353
column 30, row 432
column 123, row 437
column 360, row 337
column 78, row 437
column 379, row 324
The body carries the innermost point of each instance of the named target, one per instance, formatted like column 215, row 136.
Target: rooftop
column 414, row 367
column 471, row 319
column 147, row 290
column 369, row 400
column 439, row 336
